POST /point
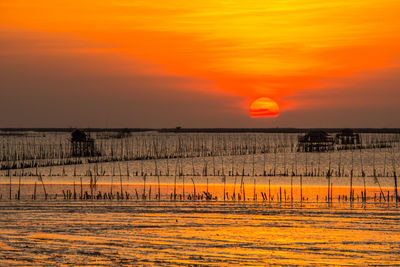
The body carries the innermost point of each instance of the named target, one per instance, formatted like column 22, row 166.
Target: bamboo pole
column 264, row 152
column 377, row 181
column 183, row 187
column 395, row 186
column 242, row 182
column 34, row 192
column 234, row 188
column 149, row 197
column 328, row 176
column 243, row 189
column 269, row 189
column 351, row 186
column 156, row 170
column 363, row 176
column 224, row 180
column 365, row 188
column 81, row 196
column 159, row 187
column 74, row 190
column 194, row 189
column 111, row 183
column 9, row 174
column 144, row 186
column 254, row 191
column 91, row 185
column 291, row 187
column 301, row 188
column 120, row 181
column 19, row 188
column 44, row 188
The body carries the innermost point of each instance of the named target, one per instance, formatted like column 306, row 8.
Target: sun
column 264, row 107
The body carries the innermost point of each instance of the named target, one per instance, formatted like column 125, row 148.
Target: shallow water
column 205, row 233
column 279, row 231
column 201, row 155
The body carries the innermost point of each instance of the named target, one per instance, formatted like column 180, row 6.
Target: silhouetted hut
column 348, row 138
column 315, row 141
column 81, row 144
column 124, row 133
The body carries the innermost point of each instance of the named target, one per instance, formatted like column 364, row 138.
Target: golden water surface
column 107, row 233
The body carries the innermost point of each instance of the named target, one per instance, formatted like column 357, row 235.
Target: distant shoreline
column 204, row 130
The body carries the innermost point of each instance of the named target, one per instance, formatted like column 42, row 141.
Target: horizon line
column 202, row 129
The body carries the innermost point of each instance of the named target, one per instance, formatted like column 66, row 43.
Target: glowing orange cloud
column 264, row 107
column 246, row 48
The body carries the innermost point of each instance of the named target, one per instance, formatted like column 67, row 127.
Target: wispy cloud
column 246, row 49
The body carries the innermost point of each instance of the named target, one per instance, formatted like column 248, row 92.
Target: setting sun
column 264, row 107
column 204, row 132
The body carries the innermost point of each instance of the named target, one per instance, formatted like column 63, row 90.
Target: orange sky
column 245, row 49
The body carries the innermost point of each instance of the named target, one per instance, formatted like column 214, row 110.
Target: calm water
column 191, row 233
column 137, row 232
column 198, row 155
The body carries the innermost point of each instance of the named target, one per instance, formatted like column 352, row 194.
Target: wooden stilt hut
column 315, row 141
column 348, row 139
column 81, row 144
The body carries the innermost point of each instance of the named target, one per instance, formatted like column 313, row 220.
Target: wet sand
column 118, row 233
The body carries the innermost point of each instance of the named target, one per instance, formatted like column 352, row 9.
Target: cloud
column 198, row 64
column 53, row 81
column 370, row 99
column 249, row 49
column 43, row 88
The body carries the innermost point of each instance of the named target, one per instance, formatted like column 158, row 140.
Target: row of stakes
column 281, row 196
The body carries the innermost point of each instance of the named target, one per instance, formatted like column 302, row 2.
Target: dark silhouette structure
column 348, row 138
column 81, row 144
column 315, row 141
column 123, row 133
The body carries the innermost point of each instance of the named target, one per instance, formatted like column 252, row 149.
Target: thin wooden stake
column 351, row 186
column 301, row 188
column 395, row 186
column 254, row 192
column 224, row 180
column 291, row 187
column 10, row 186
column 269, row 189
column 34, row 192
column 19, row 188
column 44, row 188
column 81, row 197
